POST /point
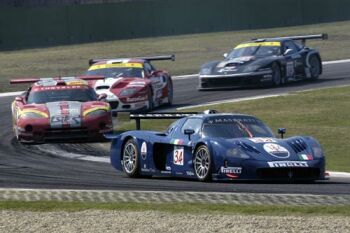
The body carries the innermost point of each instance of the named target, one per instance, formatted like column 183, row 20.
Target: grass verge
column 274, row 210
column 323, row 114
column 191, row 51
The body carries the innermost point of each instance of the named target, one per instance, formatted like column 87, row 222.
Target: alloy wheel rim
column 202, row 162
column 129, row 158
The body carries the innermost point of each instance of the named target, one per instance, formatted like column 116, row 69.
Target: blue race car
column 216, row 146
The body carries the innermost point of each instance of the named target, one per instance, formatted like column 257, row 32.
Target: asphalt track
column 27, row 166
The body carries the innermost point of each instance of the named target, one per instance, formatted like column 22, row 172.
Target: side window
column 194, row 124
column 290, row 45
column 148, row 68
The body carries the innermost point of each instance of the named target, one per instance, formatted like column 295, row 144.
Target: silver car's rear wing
column 151, row 58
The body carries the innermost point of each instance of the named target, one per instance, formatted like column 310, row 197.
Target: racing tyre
column 131, row 165
column 276, row 75
column 170, row 92
column 315, row 67
column 203, row 164
column 150, row 101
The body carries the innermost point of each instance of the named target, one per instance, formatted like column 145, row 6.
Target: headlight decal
column 96, row 111
column 32, row 113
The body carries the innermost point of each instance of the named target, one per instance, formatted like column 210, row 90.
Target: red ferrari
column 132, row 84
column 63, row 108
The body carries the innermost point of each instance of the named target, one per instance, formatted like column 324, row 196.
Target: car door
column 294, row 61
column 180, row 158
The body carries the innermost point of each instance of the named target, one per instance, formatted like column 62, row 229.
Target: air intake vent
column 249, row 148
column 298, row 145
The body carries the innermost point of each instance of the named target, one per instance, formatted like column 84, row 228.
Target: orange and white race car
column 132, row 84
column 63, row 108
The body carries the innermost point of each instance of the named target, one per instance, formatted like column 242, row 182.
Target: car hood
column 237, row 65
column 67, row 114
column 113, row 86
column 271, row 149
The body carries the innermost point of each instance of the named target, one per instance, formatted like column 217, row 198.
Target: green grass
column 191, row 51
column 323, row 114
column 272, row 210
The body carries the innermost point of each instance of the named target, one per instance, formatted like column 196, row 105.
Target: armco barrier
column 43, row 26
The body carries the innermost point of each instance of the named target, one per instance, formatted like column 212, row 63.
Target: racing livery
column 132, row 84
column 216, row 146
column 61, row 108
column 273, row 61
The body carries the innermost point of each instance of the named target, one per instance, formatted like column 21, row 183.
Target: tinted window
column 291, row 45
column 81, row 95
column 237, row 129
column 193, row 123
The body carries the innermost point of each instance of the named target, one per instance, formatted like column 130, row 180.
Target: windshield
column 256, row 49
column 237, row 129
column 118, row 72
column 81, row 95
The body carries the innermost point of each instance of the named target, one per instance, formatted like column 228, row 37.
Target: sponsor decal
column 276, row 150
column 189, row 173
column 50, row 88
column 168, row 168
column 262, row 140
column 287, row 164
column 177, row 141
column 305, row 157
column 178, row 156
column 116, row 65
column 144, row 150
column 137, row 99
column 255, row 44
column 231, row 170
column 145, row 170
column 165, row 172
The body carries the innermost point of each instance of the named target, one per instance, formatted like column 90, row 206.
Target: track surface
column 26, row 166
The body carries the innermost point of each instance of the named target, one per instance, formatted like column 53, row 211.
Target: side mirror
column 281, row 131
column 287, row 52
column 19, row 99
column 102, row 97
column 189, row 132
column 225, row 55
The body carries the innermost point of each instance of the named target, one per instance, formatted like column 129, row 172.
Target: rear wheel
column 276, row 75
column 315, row 67
column 131, row 159
column 203, row 164
column 170, row 92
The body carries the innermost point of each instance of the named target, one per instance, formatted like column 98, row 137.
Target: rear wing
column 323, row 36
column 123, row 116
column 152, row 58
column 34, row 80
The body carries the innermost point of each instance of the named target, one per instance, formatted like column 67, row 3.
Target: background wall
column 52, row 25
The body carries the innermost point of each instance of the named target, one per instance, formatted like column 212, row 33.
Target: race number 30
column 178, row 157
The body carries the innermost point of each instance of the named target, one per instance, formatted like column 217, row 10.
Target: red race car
column 62, row 108
column 132, row 84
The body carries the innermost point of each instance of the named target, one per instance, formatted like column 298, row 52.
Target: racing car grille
column 298, row 145
column 288, row 173
column 114, row 104
column 66, row 134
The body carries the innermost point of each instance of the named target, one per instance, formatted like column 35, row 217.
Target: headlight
column 205, row 71
column 99, row 112
column 237, row 152
column 316, row 149
column 33, row 115
column 128, row 92
column 251, row 68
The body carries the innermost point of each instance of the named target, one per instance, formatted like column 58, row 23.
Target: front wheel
column 276, row 75
column 170, row 92
column 131, row 159
column 203, row 164
column 315, row 67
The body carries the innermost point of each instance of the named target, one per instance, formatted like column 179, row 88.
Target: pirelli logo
column 288, row 164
